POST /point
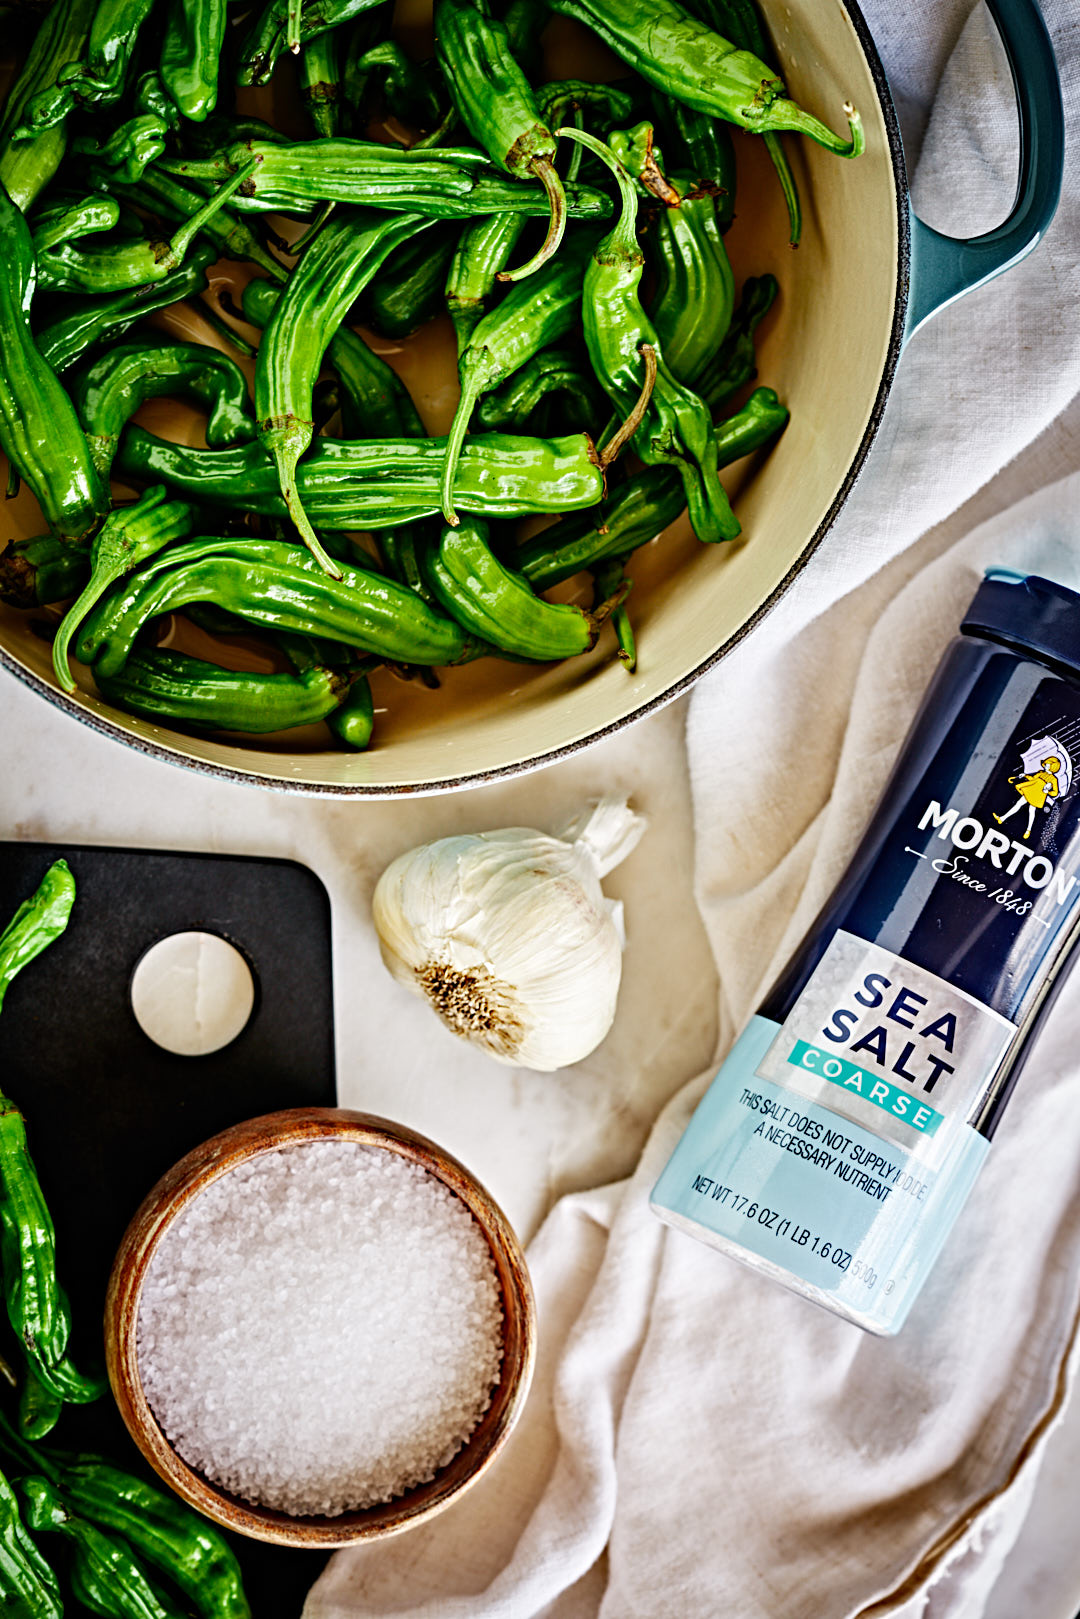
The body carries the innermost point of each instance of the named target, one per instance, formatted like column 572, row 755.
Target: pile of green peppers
column 126, row 1539
column 573, row 232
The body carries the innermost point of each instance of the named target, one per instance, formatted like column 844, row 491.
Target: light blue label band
column 881, row 1092
column 854, row 1220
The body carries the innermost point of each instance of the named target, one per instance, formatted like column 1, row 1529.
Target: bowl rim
column 479, row 778
column 175, row 1192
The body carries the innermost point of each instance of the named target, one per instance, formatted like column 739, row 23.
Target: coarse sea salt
column 321, row 1329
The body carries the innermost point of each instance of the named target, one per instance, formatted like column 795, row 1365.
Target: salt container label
column 887, row 1045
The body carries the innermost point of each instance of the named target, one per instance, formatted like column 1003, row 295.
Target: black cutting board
column 108, row 1111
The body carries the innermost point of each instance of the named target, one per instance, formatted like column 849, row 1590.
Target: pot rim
column 540, row 761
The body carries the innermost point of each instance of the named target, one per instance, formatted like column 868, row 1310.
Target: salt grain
column 321, row 1329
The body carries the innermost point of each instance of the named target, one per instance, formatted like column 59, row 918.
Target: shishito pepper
column 523, row 403
column 695, row 288
column 90, row 322
column 105, row 1577
column 191, row 55
column 179, row 1543
column 377, row 484
column 528, row 320
column 37, row 1305
column 408, row 292
column 491, row 602
column 497, row 106
column 71, row 219
column 676, row 428
column 329, row 278
column 40, row 570
column 173, row 687
column 28, row 1586
column 276, row 585
column 39, row 430
column 128, row 537
column 320, row 83
column 483, row 251
column 686, row 59
column 441, row 182
column 100, row 75
column 109, row 392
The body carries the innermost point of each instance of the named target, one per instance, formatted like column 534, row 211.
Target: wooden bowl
column 171, row 1197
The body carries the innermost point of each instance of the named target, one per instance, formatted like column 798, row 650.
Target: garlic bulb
column 509, row 936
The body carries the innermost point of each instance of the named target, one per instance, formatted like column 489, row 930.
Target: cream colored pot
column 866, row 275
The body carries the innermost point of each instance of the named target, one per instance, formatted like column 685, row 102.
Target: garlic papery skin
column 509, row 935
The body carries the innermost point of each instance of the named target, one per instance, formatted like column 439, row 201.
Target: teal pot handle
column 943, row 268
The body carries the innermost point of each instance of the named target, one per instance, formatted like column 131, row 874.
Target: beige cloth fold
column 699, row 1441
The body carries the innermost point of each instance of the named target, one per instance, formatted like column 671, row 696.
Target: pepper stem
column 550, row 179
column 472, row 385
column 784, row 114
column 630, row 426
column 286, row 456
column 787, row 184
column 292, row 26
column 182, row 239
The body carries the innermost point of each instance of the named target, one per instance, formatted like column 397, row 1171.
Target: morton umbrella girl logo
column 1046, row 772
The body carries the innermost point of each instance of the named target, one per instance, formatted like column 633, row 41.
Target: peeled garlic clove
column 508, row 934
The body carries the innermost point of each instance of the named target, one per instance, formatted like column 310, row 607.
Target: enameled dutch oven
column 867, row 275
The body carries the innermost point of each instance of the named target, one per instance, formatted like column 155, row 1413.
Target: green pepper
column 499, row 606
column 327, row 281
column 442, row 183
column 402, row 548
column 409, row 291
column 162, row 193
column 27, row 166
column 39, row 430
column 40, row 570
column 59, row 41
column 37, row 1305
column 685, row 59
column 268, row 37
column 695, row 288
column 320, row 83
column 28, row 1587
column 734, row 363
column 172, row 687
column 483, row 251
column 497, row 107
column 93, row 321
column 109, row 392
column 528, row 320
column 100, row 76
column 676, row 428
column 370, row 485
column 353, row 721
column 407, row 92
column 128, row 538
column 643, row 506
column 375, row 403
column 65, row 221
column 128, row 151
column 525, row 21
column 105, row 1576
column 269, row 583
column 361, row 34
column 181, row 1544
column 191, row 55
column 515, row 407
column 39, row 1407
column 127, row 264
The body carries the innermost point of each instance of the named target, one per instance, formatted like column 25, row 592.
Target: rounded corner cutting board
column 108, row 1111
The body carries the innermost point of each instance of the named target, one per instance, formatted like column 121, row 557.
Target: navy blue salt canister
column 838, row 1143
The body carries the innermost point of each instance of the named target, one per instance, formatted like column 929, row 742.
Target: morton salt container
column 840, row 1139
